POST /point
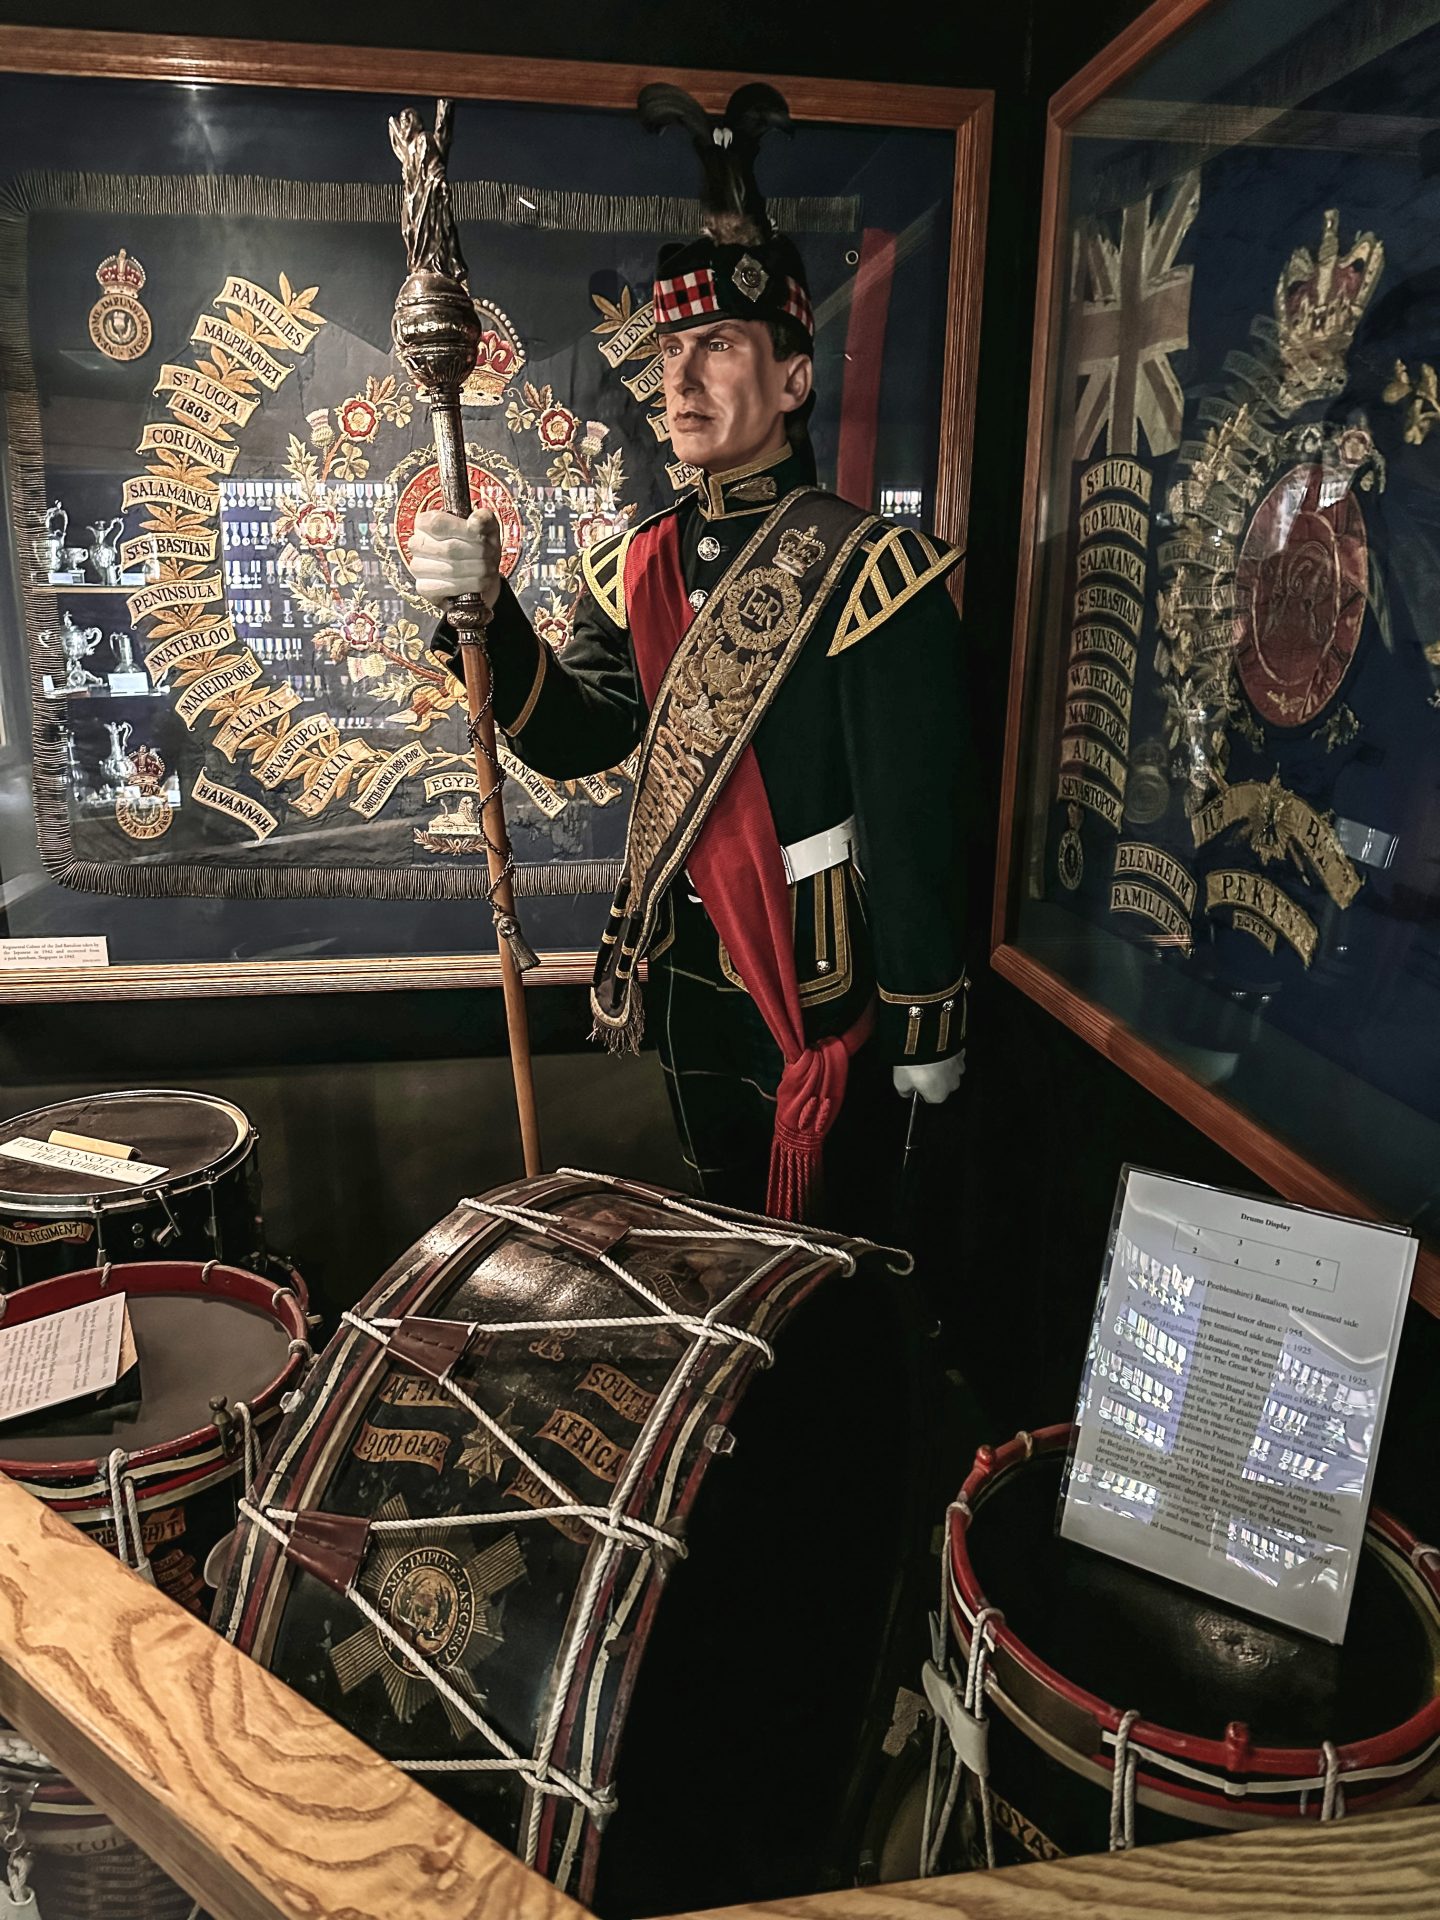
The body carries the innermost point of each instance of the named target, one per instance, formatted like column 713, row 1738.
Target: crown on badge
column 1319, row 301
column 797, row 552
column 500, row 357
column 120, row 273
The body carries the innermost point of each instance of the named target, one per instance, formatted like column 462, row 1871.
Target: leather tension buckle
column 329, row 1545
column 431, row 1347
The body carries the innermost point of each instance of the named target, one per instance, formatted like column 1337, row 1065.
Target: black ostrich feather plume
column 727, row 145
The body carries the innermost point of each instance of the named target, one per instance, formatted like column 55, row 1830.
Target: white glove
column 450, row 556
column 934, row 1082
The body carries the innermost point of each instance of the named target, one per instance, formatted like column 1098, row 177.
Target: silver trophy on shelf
column 74, row 772
column 105, row 550
column 124, row 647
column 76, row 644
column 117, row 766
column 49, row 550
column 75, row 558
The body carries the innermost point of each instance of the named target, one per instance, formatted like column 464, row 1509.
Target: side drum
column 1121, row 1709
column 460, row 1539
column 218, row 1349
column 204, row 1206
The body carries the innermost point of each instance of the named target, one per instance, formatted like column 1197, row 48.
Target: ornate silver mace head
column 435, row 329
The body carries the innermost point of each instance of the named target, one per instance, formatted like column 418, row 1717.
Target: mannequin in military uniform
column 860, row 747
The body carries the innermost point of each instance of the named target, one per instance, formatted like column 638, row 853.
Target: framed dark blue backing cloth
column 1218, row 859
column 241, row 765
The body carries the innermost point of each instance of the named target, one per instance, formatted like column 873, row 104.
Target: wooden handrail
column 264, row 1808
column 1356, row 1869
column 260, row 1805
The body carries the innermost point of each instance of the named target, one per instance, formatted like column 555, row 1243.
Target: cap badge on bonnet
column 750, row 277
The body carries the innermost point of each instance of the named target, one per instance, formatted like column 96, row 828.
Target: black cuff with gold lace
column 914, row 1029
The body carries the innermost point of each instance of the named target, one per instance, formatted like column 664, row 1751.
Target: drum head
column 191, row 1346
column 1187, row 1661
column 185, row 1133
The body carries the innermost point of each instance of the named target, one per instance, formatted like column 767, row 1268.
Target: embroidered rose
column 358, row 419
column 553, row 627
column 361, row 629
column 556, row 426
column 317, row 526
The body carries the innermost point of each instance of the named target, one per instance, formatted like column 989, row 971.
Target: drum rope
column 1122, row 1786
column 598, row 1573
column 126, row 1510
column 975, row 1674
column 1280, row 1784
column 726, row 1228
column 973, row 1699
column 530, row 1217
column 241, row 1410
column 717, row 1333
column 940, row 1641
column 544, row 1779
column 604, row 1520
column 1332, row 1804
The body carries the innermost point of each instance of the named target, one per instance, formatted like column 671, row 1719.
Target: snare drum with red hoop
column 219, row 1350
column 1108, row 1706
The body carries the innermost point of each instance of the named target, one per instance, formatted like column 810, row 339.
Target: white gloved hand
column 450, row 556
column 934, row 1082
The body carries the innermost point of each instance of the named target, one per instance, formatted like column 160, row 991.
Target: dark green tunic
column 869, row 727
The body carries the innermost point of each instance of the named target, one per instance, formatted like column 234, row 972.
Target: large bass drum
column 1121, row 1709
column 461, row 1534
column 205, row 1205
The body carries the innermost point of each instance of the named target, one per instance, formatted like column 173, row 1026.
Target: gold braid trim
column 898, row 564
column 603, row 569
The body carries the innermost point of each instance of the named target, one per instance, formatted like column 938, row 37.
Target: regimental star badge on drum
column 442, row 1606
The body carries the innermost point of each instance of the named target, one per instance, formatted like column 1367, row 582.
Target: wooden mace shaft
column 469, row 616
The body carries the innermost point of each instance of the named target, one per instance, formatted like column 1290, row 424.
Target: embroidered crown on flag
column 737, row 267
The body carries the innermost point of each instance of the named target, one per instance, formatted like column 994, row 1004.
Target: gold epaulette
column 603, row 568
column 896, row 562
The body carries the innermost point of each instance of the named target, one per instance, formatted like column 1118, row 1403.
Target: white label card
column 61, row 1356
column 1234, row 1393
column 104, row 1166
column 76, row 950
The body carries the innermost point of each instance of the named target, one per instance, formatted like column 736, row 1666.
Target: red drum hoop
column 1217, row 1782
column 190, row 1459
column 182, row 1507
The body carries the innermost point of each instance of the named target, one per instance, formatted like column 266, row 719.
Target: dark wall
column 378, row 1110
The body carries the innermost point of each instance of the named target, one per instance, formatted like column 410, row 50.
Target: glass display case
column 1217, row 858
column 231, row 760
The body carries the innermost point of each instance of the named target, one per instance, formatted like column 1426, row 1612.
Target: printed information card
column 1233, row 1396
column 62, row 1356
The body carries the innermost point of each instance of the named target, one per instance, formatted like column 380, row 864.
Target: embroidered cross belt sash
column 727, row 667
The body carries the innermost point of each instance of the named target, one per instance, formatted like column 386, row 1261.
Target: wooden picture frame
column 961, row 117
column 1066, row 966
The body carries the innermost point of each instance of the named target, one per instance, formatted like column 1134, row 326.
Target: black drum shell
column 206, row 1207
column 771, row 1637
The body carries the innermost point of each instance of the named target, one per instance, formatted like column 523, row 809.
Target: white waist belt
column 805, row 857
